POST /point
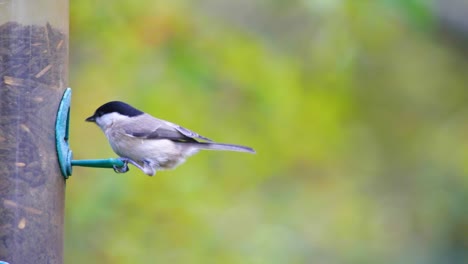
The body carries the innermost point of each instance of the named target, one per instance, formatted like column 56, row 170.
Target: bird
column 150, row 143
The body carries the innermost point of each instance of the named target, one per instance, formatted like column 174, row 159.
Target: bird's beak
column 91, row 119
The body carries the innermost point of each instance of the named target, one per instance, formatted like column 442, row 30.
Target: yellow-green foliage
column 358, row 119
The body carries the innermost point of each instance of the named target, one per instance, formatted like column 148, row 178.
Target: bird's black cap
column 115, row 107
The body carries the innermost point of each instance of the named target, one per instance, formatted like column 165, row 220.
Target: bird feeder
column 35, row 158
column 33, row 78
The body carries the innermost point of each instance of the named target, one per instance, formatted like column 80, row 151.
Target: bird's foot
column 122, row 169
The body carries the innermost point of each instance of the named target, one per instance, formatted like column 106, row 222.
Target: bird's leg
column 134, row 163
column 147, row 167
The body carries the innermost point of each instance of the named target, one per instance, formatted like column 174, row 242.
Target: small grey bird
column 150, row 143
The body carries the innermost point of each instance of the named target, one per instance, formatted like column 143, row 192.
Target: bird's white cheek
column 103, row 123
column 108, row 120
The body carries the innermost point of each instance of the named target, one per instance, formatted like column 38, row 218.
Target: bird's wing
column 186, row 132
column 165, row 130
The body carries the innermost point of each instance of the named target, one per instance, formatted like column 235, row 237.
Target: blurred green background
column 357, row 109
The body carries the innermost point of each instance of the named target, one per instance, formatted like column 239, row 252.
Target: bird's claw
column 122, row 169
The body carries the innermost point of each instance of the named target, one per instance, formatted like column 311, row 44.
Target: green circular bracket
column 64, row 152
column 61, row 134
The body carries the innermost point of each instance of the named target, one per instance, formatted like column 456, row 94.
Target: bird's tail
column 222, row 146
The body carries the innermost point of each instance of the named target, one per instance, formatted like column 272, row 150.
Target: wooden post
column 33, row 76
